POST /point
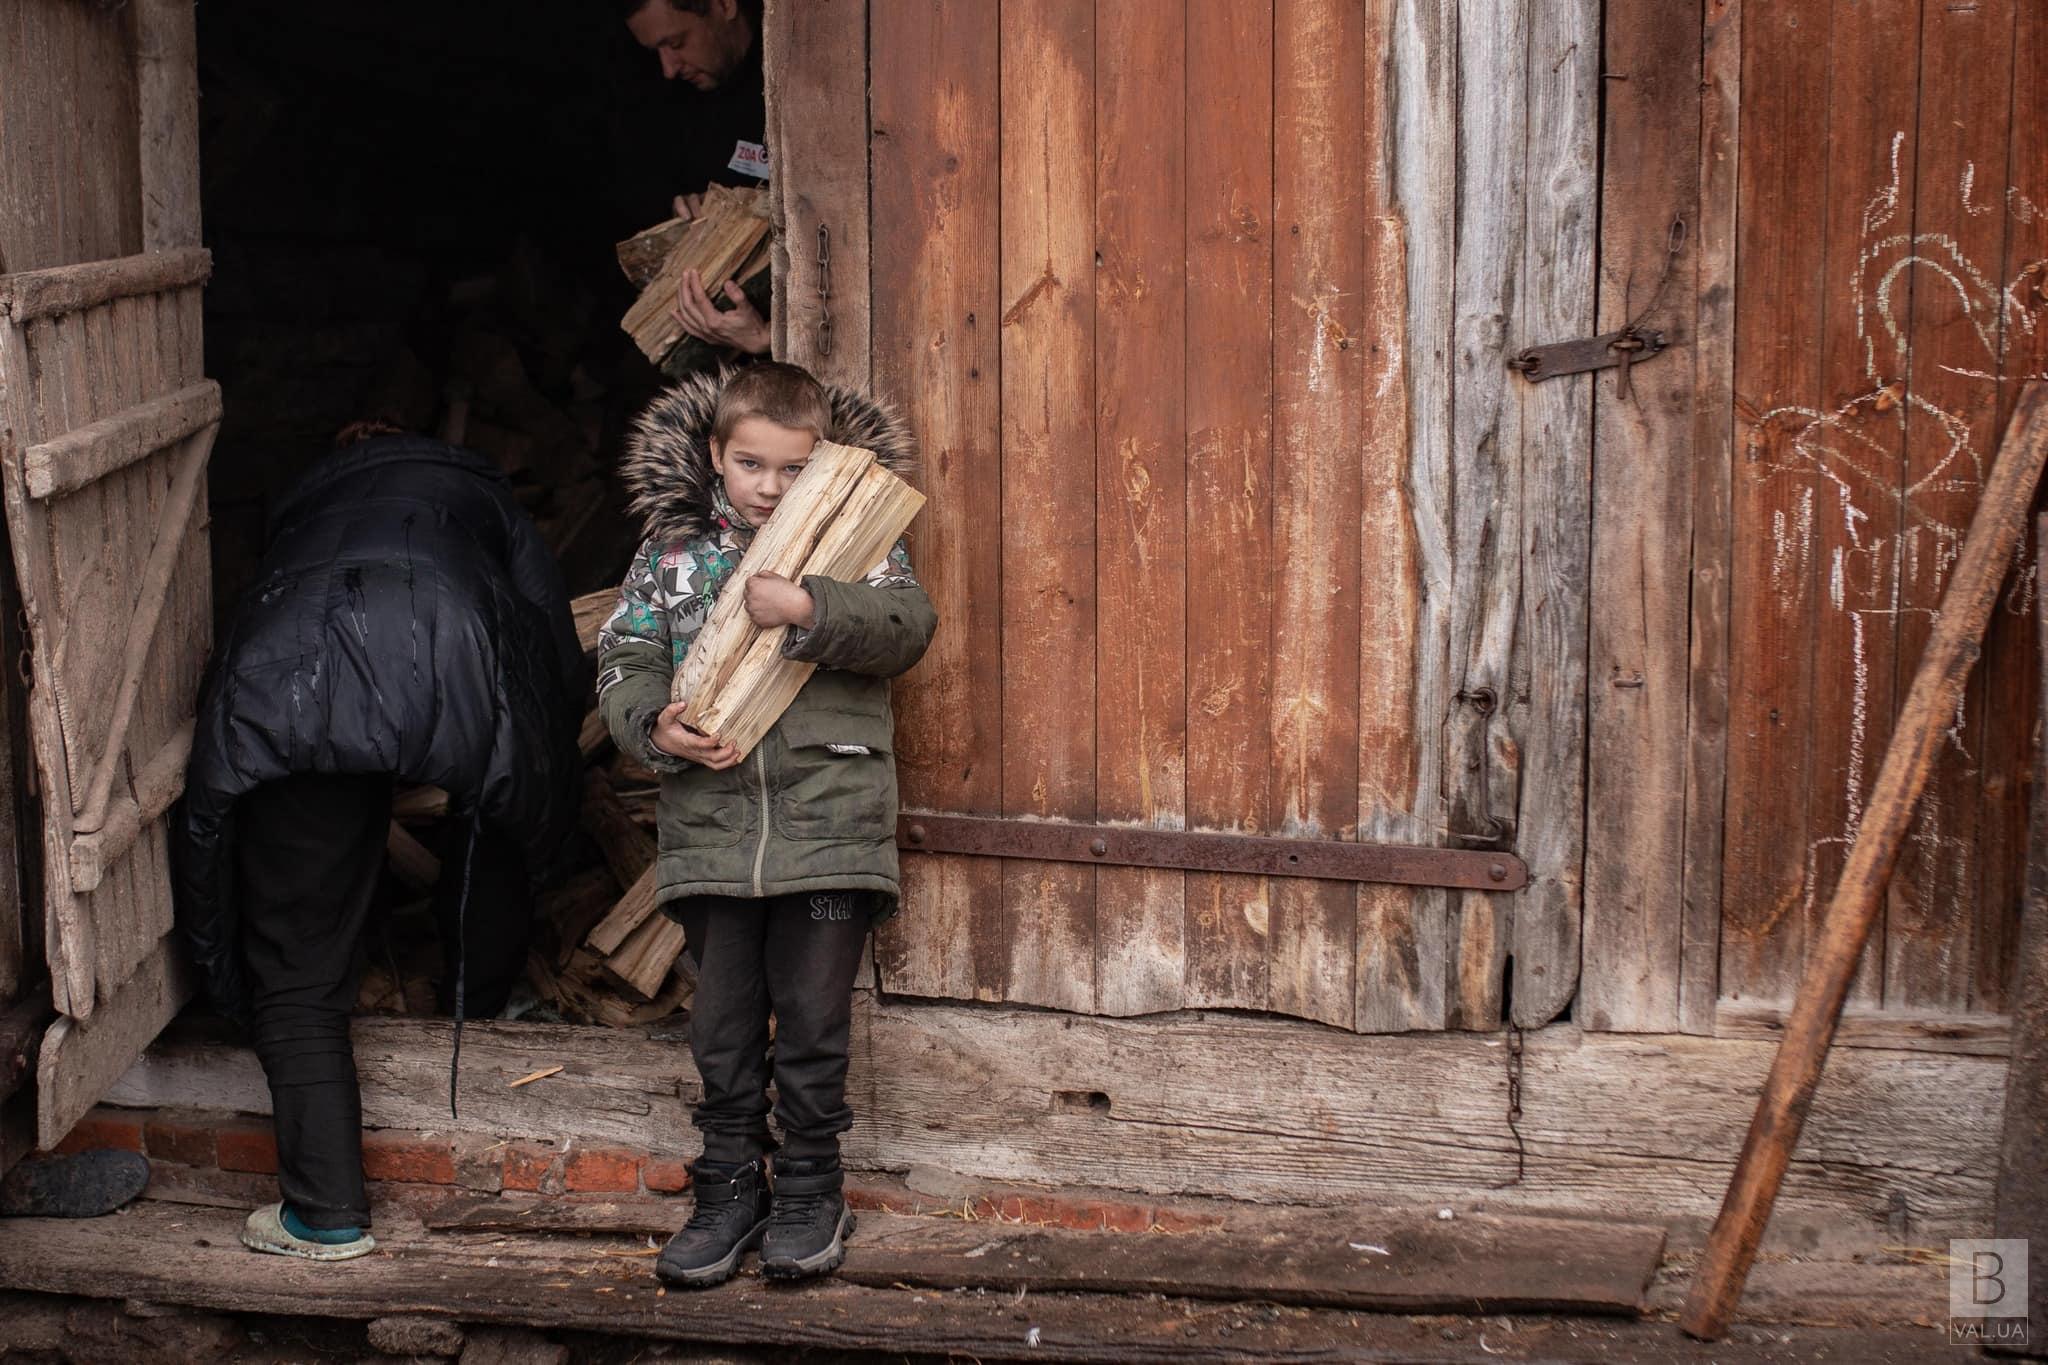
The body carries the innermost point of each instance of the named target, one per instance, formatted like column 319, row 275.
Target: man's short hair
column 787, row 395
column 628, row 8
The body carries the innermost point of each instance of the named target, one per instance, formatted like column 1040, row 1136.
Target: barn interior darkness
column 412, row 210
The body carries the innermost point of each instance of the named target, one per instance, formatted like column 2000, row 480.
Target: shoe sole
column 822, row 1262
column 719, row 1271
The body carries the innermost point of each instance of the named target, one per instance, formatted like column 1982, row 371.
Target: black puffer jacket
column 408, row 620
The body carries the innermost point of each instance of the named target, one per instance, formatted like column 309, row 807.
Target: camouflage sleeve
column 633, row 664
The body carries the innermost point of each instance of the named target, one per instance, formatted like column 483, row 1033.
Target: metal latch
column 1624, row 348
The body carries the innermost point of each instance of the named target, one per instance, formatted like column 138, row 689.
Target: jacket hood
column 667, row 465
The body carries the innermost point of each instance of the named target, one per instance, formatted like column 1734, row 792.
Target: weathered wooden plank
column 157, row 784
column 2012, row 659
column 26, row 295
column 1490, row 698
column 70, row 188
column 1706, row 724
column 1856, row 443
column 76, row 458
column 81, row 1058
column 1318, row 400
column 1048, row 535
column 1639, row 659
column 1210, row 1104
column 1402, row 934
column 934, row 87
column 1398, row 1261
column 166, row 1253
column 1554, row 299
column 1980, row 1035
column 1229, row 234
column 817, row 58
column 1140, row 503
column 1781, row 295
column 167, row 99
column 1952, row 316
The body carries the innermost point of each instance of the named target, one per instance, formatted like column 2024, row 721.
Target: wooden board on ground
column 186, row 1255
column 1407, row 1261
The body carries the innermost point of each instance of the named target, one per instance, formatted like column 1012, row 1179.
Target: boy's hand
column 678, row 740
column 773, row 600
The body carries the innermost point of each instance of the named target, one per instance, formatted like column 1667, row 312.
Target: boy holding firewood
column 778, row 864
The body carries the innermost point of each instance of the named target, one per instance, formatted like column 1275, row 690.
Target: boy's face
column 758, row 463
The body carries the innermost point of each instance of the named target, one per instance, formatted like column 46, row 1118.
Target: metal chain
column 1514, row 1064
column 824, row 290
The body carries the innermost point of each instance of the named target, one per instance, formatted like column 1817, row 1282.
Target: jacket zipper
column 761, row 848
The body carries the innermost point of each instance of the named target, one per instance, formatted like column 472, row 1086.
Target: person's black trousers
column 794, row 956
column 308, row 850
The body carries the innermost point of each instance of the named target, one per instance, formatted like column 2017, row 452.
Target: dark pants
column 307, row 851
column 792, row 956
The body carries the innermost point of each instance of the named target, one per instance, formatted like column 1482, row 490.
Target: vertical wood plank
column 1402, row 931
column 1554, row 486
column 1951, row 434
column 1318, row 397
column 936, row 307
column 167, row 99
column 1779, row 315
column 1048, row 531
column 1713, row 369
column 2012, row 659
column 1141, row 513
column 1482, row 770
column 1422, row 96
column 1855, row 445
column 817, row 57
column 1639, row 653
column 1230, row 482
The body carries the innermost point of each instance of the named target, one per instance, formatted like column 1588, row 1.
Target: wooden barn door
column 1239, row 519
column 105, row 425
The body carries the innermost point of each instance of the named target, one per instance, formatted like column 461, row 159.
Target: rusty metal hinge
column 1629, row 346
column 1125, row 846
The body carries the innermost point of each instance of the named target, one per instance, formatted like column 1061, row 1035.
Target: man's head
column 700, row 41
column 767, row 420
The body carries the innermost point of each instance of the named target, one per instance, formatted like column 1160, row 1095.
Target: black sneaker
column 808, row 1222
column 731, row 1212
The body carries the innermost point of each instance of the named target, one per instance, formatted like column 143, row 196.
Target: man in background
column 707, row 127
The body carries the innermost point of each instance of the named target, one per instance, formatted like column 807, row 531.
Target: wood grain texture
column 1640, row 588
column 81, row 1058
column 1049, row 496
column 1555, row 298
column 1229, row 383
column 1953, row 313
column 1141, row 509
column 2012, row 658
column 1403, row 935
column 1213, row 1104
column 1318, row 400
column 167, row 100
column 817, row 57
column 1713, row 369
column 1781, row 294
column 934, row 86
column 70, row 181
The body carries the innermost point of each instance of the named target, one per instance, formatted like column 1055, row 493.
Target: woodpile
column 838, row 520
column 726, row 241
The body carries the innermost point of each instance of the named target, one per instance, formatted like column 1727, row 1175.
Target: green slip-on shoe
column 265, row 1231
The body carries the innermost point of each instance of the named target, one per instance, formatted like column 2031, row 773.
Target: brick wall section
column 247, row 1146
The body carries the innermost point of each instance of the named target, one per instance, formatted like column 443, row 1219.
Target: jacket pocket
column 702, row 809
column 838, row 780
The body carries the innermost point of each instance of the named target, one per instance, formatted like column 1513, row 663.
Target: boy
column 777, row 865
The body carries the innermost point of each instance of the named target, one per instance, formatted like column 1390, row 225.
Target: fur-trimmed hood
column 667, row 465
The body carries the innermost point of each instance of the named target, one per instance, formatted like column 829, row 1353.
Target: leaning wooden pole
column 1929, row 710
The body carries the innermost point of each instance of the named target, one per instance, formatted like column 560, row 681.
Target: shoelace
column 798, row 1209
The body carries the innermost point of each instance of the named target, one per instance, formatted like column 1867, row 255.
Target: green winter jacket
column 813, row 807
